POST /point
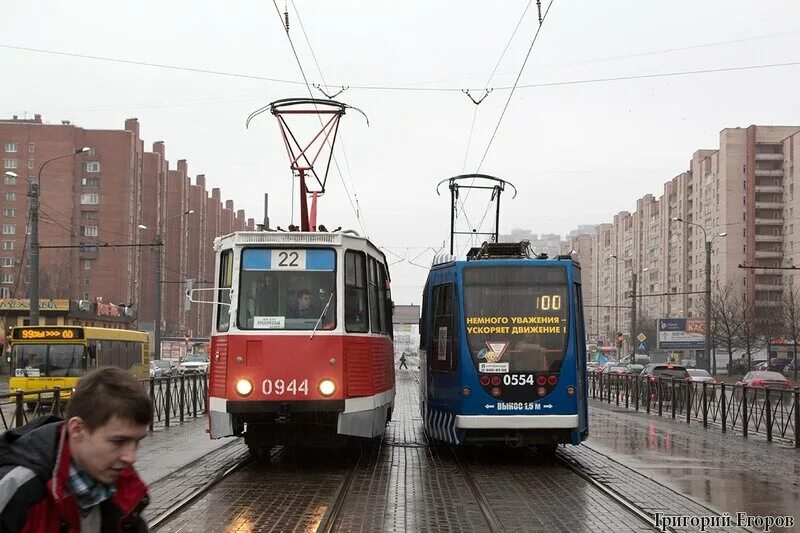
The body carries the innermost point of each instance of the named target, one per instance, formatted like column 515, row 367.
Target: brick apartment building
column 117, row 193
column 745, row 189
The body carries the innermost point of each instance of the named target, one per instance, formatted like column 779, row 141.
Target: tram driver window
column 224, row 294
column 281, row 289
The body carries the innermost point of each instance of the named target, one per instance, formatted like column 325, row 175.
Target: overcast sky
column 578, row 153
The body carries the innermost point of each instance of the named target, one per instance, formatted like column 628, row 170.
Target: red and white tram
column 301, row 348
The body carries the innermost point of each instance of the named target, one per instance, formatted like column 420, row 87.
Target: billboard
column 681, row 334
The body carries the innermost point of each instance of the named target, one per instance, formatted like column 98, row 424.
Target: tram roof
column 297, row 238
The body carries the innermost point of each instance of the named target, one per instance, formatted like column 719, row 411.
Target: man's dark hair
column 108, row 392
column 303, row 292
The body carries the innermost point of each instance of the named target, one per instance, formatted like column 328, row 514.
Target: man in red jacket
column 77, row 475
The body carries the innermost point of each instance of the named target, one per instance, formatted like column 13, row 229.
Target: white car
column 194, row 363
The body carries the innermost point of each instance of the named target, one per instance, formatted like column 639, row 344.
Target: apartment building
column 740, row 197
column 115, row 194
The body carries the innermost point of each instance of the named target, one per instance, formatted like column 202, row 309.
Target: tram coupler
column 284, row 417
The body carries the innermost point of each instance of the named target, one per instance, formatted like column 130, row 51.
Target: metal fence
column 774, row 413
column 175, row 398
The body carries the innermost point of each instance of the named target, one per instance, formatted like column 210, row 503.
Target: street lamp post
column 711, row 367
column 158, row 242
column 633, row 303
column 33, row 193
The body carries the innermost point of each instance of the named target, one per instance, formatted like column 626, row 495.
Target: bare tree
column 751, row 335
column 54, row 280
column 791, row 319
column 726, row 319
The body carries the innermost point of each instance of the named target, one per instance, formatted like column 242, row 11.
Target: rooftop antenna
column 302, row 157
column 496, row 185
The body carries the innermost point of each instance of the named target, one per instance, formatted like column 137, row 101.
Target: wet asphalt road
column 726, row 471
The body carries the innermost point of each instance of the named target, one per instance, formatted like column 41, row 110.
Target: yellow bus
column 44, row 357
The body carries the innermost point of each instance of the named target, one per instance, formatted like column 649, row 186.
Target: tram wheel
column 546, row 452
column 257, row 452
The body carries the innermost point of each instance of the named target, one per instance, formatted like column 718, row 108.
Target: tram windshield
column 287, row 289
column 516, row 317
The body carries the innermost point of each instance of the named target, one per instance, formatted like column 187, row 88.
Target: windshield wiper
column 324, row 312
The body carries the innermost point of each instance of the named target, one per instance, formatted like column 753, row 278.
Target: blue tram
column 502, row 349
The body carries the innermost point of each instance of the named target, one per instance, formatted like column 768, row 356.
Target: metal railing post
column 153, row 400
column 649, row 393
column 205, row 392
column 167, row 402
column 745, row 415
column 636, row 392
column 627, row 389
column 194, row 396
column 55, row 409
column 181, row 400
column 19, row 416
column 797, row 417
column 724, row 407
column 705, row 406
column 674, row 397
column 769, row 414
column 616, row 388
column 690, row 391
column 660, row 396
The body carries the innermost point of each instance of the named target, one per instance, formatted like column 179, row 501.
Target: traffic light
column 620, row 339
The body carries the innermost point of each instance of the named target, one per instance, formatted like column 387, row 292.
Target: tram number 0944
column 519, row 379
column 281, row 387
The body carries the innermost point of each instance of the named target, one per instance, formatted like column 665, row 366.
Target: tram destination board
column 54, row 333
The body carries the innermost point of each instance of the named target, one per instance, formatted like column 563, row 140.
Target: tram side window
column 356, row 308
column 441, row 354
column 387, row 300
column 384, row 313
column 423, row 320
column 224, row 294
column 374, row 313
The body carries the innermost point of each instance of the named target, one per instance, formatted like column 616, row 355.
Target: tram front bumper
column 269, row 406
column 517, row 421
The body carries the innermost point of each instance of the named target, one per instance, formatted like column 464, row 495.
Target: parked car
column 758, row 379
column 700, row 376
column 666, row 372
column 762, row 379
column 593, row 366
column 789, row 369
column 194, row 363
column 777, row 364
column 635, row 368
column 163, row 368
column 615, row 369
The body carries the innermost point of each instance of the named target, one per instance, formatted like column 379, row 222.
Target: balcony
column 766, row 287
column 769, row 157
column 769, row 221
column 769, row 238
column 774, row 173
column 769, row 205
column 775, row 189
column 769, row 254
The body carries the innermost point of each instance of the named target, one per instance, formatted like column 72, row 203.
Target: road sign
column 641, row 337
column 641, row 347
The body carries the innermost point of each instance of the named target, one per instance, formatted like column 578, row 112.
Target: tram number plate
column 519, row 379
column 282, row 387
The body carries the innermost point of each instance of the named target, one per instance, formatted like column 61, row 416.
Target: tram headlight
column 244, row 387
column 327, row 387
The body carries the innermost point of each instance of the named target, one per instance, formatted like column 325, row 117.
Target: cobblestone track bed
column 292, row 495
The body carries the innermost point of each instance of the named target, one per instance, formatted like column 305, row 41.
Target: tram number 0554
column 281, row 387
column 519, row 379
